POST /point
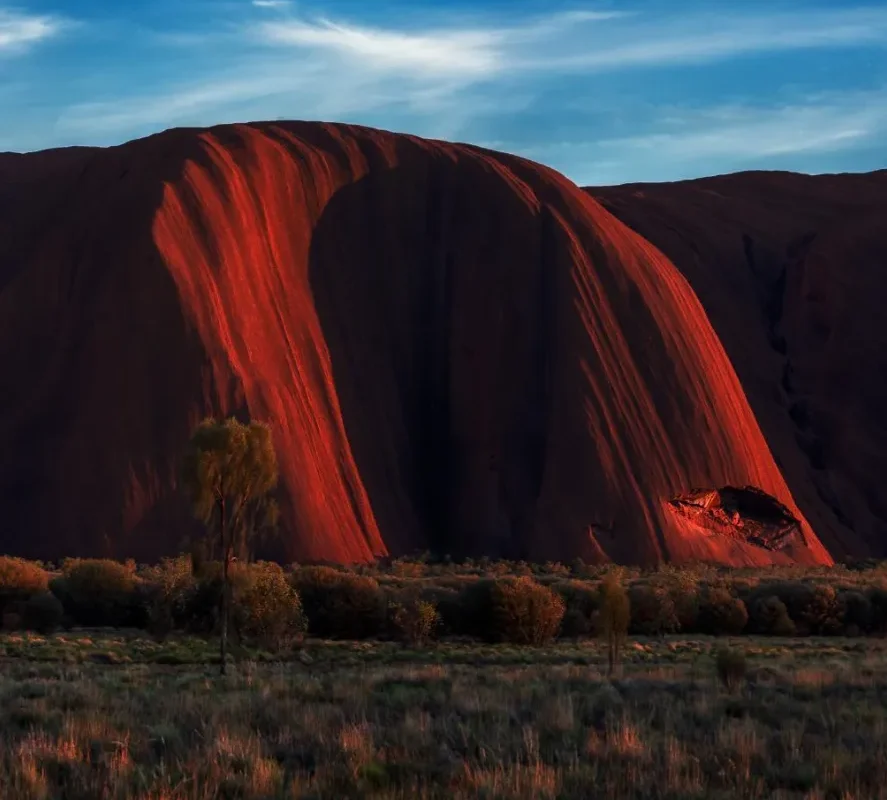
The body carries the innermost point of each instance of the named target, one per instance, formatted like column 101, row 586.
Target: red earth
column 457, row 350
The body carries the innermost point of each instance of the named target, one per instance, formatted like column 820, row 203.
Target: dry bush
column 340, row 605
column 731, row 667
column 413, row 620
column 517, row 610
column 721, row 613
column 101, row 592
column 267, row 610
column 581, row 604
column 815, row 608
column 653, row 611
column 19, row 580
column 524, row 611
column 857, row 612
column 769, row 616
column 169, row 587
column 42, row 613
column 448, row 605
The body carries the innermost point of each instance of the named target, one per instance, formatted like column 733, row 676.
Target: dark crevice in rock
column 744, row 513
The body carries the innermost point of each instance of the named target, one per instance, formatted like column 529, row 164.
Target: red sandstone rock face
column 456, row 349
column 791, row 270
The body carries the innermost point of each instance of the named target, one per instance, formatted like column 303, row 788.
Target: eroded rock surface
column 743, row 513
column 456, row 349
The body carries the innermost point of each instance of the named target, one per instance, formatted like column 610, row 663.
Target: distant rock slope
column 792, row 271
column 457, row 350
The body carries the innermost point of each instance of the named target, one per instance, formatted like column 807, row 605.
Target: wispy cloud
column 465, row 52
column 679, row 142
column 583, row 41
column 820, row 124
column 20, row 31
column 689, row 39
column 444, row 81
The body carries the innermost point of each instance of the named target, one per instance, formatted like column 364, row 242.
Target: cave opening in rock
column 746, row 513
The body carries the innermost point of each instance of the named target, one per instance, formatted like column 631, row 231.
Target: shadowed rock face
column 455, row 348
column 791, row 271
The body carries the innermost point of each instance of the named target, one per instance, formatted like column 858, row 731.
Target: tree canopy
column 230, row 471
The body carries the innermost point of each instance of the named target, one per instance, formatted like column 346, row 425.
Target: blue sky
column 606, row 92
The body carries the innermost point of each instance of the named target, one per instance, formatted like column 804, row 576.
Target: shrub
column 340, row 604
column 407, row 568
column 516, row 610
column 581, row 602
column 814, row 608
column 524, row 611
column 447, row 603
column 197, row 607
column 580, row 569
column 652, row 610
column 686, row 605
column 19, row 580
column 42, row 613
column 100, row 592
column 267, row 610
column 731, row 668
column 720, row 613
column 413, row 620
column 170, row 587
column 769, row 616
column 857, row 613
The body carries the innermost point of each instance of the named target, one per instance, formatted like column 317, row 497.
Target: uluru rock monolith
column 792, row 272
column 457, row 350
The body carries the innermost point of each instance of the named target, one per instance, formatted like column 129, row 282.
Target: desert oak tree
column 229, row 472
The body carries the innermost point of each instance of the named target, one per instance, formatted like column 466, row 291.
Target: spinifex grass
column 117, row 716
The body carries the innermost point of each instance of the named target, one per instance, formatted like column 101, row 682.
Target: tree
column 615, row 617
column 229, row 472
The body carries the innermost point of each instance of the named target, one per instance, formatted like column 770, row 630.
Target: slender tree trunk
column 223, row 647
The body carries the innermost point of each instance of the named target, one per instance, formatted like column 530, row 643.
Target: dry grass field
column 115, row 714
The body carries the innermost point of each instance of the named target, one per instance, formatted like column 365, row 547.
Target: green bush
column 857, row 613
column 720, row 613
column 266, row 609
column 731, row 668
column 340, row 605
column 769, row 616
column 170, row 587
column 101, row 593
column 42, row 613
column 581, row 604
column 19, row 580
column 412, row 620
column 653, row 611
column 815, row 609
column 197, row 608
column 685, row 597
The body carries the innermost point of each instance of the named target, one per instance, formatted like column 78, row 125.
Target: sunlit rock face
column 456, row 349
